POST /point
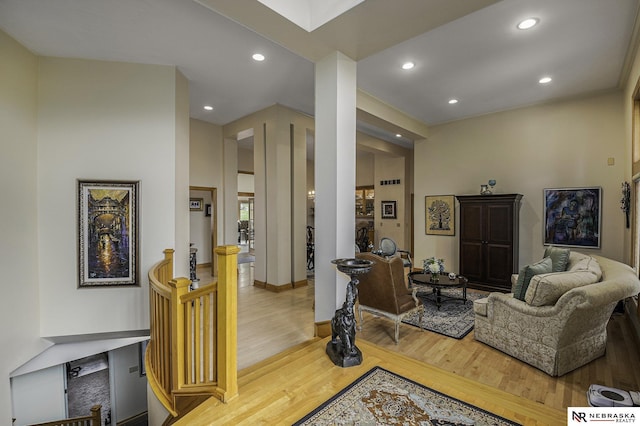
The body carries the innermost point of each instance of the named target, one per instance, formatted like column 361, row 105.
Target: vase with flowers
column 435, row 267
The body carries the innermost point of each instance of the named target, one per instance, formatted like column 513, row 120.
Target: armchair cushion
column 546, row 289
column 525, row 275
column 588, row 264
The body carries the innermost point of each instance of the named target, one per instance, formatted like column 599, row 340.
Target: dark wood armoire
column 489, row 239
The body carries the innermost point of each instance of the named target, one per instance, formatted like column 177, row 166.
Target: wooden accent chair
column 383, row 291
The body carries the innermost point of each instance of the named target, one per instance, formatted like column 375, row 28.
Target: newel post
column 179, row 287
column 96, row 415
column 228, row 320
column 168, row 255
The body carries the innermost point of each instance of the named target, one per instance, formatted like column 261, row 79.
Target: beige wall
column 110, row 121
column 563, row 144
column 19, row 310
column 206, row 170
column 390, row 168
column 365, row 168
column 245, row 160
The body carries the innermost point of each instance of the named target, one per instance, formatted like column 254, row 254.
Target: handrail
column 93, row 419
column 192, row 349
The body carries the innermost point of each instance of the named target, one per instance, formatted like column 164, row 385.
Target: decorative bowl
column 353, row 266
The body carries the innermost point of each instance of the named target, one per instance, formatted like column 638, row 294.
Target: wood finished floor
column 269, row 323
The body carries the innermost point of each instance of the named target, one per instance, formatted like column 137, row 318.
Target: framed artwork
column 389, row 210
column 195, row 204
column 572, row 217
column 440, row 215
column 207, row 210
column 108, row 233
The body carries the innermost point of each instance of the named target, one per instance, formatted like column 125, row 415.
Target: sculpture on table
column 342, row 347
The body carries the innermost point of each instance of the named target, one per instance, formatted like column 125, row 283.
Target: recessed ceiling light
column 528, row 23
column 398, row 135
column 544, row 80
column 208, row 107
column 258, row 57
column 408, row 65
column 453, row 101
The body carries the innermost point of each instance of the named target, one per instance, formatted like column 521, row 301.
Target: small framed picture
column 195, row 204
column 440, row 215
column 389, row 210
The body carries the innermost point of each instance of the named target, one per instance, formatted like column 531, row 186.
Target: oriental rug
column 381, row 397
column 453, row 319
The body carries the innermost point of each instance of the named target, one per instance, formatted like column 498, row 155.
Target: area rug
column 381, row 397
column 453, row 319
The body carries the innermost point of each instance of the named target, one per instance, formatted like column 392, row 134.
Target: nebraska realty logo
column 602, row 415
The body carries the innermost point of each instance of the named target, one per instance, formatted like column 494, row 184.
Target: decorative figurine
column 625, row 202
column 342, row 347
column 485, row 190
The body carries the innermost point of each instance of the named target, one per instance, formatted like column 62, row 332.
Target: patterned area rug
column 381, row 397
column 454, row 319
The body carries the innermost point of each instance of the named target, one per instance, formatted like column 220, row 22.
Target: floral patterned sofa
column 562, row 322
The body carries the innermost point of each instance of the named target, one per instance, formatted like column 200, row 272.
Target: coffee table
column 418, row 281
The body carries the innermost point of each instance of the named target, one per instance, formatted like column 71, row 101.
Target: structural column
column 335, row 178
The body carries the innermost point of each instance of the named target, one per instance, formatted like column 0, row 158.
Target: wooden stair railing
column 93, row 419
column 192, row 349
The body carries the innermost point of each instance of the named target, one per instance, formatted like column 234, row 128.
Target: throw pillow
column 526, row 273
column 559, row 257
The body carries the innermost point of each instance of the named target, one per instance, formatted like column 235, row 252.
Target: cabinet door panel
column 471, row 223
column 499, row 224
column 499, row 264
column 471, row 262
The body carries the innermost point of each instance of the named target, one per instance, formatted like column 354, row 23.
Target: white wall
column 390, row 168
column 129, row 387
column 365, row 168
column 206, row 161
column 111, row 121
column 181, row 175
column 564, row 144
column 200, row 228
column 245, row 160
column 39, row 396
column 19, row 308
column 246, row 183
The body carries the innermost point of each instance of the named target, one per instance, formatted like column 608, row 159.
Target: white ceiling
column 469, row 50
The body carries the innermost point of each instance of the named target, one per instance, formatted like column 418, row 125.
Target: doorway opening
column 203, row 226
column 246, row 232
column 88, row 385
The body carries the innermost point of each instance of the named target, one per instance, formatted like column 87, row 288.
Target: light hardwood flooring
column 269, row 323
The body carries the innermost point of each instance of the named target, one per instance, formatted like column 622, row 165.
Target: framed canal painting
column 108, row 233
column 572, row 217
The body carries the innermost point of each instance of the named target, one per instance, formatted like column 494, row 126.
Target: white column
column 230, row 193
column 299, row 204
column 259, row 205
column 278, row 200
column 335, row 154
